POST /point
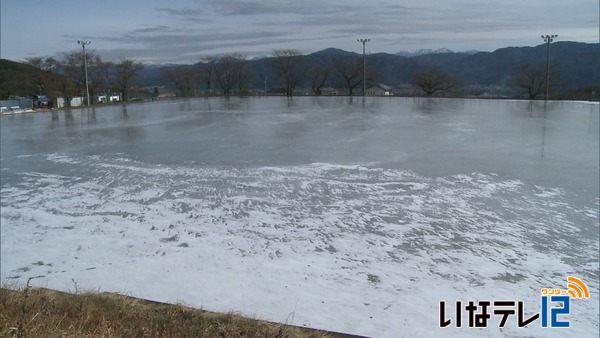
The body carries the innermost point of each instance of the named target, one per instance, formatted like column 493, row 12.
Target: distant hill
column 15, row 78
column 19, row 79
column 578, row 64
column 334, row 52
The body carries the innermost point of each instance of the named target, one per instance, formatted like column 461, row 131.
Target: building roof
column 382, row 86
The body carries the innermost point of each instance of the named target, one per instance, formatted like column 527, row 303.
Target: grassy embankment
column 38, row 312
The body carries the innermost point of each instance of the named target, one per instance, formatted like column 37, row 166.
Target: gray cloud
column 152, row 29
column 180, row 46
column 181, row 11
column 194, row 27
column 304, row 7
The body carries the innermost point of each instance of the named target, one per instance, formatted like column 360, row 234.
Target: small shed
column 41, row 102
column 380, row 90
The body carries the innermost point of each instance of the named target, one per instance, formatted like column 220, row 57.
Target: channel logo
column 555, row 306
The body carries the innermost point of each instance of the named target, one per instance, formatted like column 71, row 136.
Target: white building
column 379, row 90
column 107, row 98
column 75, row 102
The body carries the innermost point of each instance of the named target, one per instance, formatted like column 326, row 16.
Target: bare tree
column 98, row 73
column 47, row 80
column 124, row 75
column 69, row 89
column 48, row 64
column 232, row 72
column 244, row 71
column 290, row 66
column 351, row 73
column 207, row 68
column 72, row 66
column 184, row 78
column 319, row 75
column 36, row 61
column 44, row 79
column 532, row 79
column 433, row 80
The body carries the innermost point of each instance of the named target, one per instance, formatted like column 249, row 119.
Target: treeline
column 65, row 77
column 508, row 72
column 281, row 73
column 287, row 72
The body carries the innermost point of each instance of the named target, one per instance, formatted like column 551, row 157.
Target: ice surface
column 366, row 247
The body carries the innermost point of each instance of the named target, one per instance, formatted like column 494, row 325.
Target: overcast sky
column 182, row 31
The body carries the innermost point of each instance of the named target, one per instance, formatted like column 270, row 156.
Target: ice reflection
column 543, row 142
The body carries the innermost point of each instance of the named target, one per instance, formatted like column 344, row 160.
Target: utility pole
column 547, row 40
column 364, row 41
column 87, row 90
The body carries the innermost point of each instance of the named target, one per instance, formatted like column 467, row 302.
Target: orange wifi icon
column 577, row 288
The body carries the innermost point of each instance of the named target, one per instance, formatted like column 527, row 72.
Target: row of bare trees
column 528, row 78
column 103, row 76
column 231, row 73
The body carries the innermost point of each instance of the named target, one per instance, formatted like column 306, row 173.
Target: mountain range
column 575, row 70
column 575, row 66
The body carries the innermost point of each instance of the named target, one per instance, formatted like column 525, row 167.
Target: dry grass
column 33, row 312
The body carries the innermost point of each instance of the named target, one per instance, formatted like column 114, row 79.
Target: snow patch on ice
column 351, row 248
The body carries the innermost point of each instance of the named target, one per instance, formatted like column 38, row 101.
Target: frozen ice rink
column 334, row 213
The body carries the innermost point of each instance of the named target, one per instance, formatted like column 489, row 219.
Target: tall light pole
column 547, row 40
column 87, row 90
column 364, row 41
